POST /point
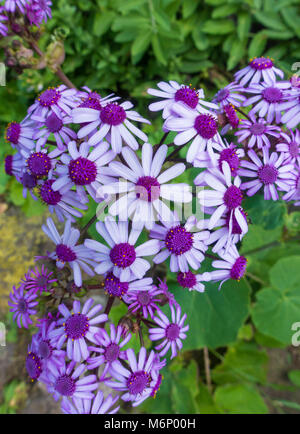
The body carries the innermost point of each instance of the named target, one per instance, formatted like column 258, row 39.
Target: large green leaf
column 240, row 399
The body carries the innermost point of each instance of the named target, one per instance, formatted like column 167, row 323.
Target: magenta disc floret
column 239, row 268
column 65, row 253
column 39, row 164
column 261, row 63
column 206, row 126
column 49, row 97
column 147, row 188
column 233, row 197
column 12, row 132
column 113, row 114
column 178, row 240
column 49, row 196
column 122, row 255
column 82, row 171
column 187, row 95
column 114, row 287
column 268, row 174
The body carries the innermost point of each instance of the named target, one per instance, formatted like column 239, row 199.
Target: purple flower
column 232, row 266
column 144, row 301
column 20, row 135
column 225, row 196
column 184, row 247
column 90, row 99
column 230, row 94
column 12, row 5
column 173, row 92
column 272, row 172
column 59, row 100
column 169, row 295
column 268, row 96
column 39, row 280
column 77, row 256
column 290, row 145
column 3, row 19
column 145, row 186
column 190, row 281
column 63, row 381
column 55, row 125
column 21, row 304
column 291, row 108
column 38, row 10
column 109, row 347
column 112, row 120
column 259, row 68
column 13, row 164
column 172, row 332
column 39, row 162
column 114, row 287
column 230, row 154
column 258, row 132
column 84, row 169
column 231, row 117
column 121, row 257
column 294, row 190
column 97, row 405
column 201, row 126
column 65, row 205
column 138, row 380
column 77, row 327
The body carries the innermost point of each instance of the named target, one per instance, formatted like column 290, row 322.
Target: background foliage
column 127, row 46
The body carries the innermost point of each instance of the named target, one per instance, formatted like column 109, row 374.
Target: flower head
column 96, row 405
column 259, row 68
column 258, row 131
column 39, row 280
column 22, row 305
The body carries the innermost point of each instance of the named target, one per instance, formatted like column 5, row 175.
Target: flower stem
column 207, row 369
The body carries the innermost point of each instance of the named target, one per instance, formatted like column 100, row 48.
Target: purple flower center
column 233, row 197
column 76, row 326
column 42, row 282
column 114, row 287
column 8, row 162
column 137, row 382
column 261, row 63
column 144, row 298
column 187, row 95
column 147, row 188
column 64, row 253
column 39, row 164
column 82, row 171
column 231, row 115
column 229, row 155
column 13, row 132
column 236, row 229
column 45, row 349
column 111, row 352
column 294, row 149
column 49, row 97
column 22, row 305
column 172, row 332
column 92, row 101
column 65, row 385
column 268, row 174
column 222, row 94
column 272, row 94
column 53, row 123
column 257, row 129
column 28, row 180
column 122, row 255
column 187, row 279
column 113, row 114
column 33, row 366
column 178, row 240
column 206, row 126
column 49, row 196
column 239, row 268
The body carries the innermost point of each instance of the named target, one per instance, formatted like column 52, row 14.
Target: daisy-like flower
column 39, row 280
column 57, row 126
column 56, row 100
column 112, row 120
column 267, row 97
column 113, row 286
column 290, row 145
column 22, row 304
column 259, row 69
column 20, row 135
column 294, row 190
column 225, row 196
column 145, row 301
column 84, row 169
column 138, row 380
column 273, row 171
column 12, row 5
column 184, row 247
column 38, row 10
column 232, row 266
column 231, row 118
column 173, row 92
column 39, row 162
column 258, row 131
column 63, row 381
column 121, row 257
column 230, row 154
column 145, row 186
column 3, row 19
column 12, row 164
column 77, row 256
column 290, row 108
column 92, row 99
column 200, row 126
column 230, row 94
column 97, row 405
column 109, row 346
column 190, row 281
column 172, row 332
column 64, row 205
column 78, row 327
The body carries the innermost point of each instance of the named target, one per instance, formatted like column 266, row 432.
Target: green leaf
column 270, row 20
column 140, row 45
column 216, row 315
column 102, row 22
column 200, row 38
column 267, row 213
column 294, row 377
column 277, row 308
column 257, row 45
column 240, row 399
column 292, row 18
column 273, row 34
column 188, row 8
column 218, row 27
column 236, row 53
column 205, row 402
column 224, row 11
column 16, row 193
column 243, row 25
column 157, row 49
